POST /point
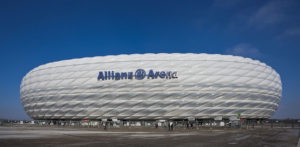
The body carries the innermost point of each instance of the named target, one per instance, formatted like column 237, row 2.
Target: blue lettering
column 108, row 75
column 151, row 74
column 139, row 74
column 156, row 75
column 117, row 76
column 112, row 75
column 130, row 75
column 123, row 75
column 162, row 74
column 100, row 76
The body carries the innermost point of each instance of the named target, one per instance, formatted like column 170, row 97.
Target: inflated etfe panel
column 152, row 86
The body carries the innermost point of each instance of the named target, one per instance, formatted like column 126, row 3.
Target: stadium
column 152, row 87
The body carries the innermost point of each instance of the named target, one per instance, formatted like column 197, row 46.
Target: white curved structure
column 202, row 86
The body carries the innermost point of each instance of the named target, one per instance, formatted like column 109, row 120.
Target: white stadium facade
column 152, row 87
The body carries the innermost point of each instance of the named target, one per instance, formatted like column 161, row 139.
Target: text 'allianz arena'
column 152, row 87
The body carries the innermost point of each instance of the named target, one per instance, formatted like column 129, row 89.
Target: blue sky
column 37, row 32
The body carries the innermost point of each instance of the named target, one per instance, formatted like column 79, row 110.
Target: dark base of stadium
column 177, row 123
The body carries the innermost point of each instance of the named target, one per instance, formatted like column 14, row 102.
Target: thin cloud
column 292, row 32
column 245, row 50
column 289, row 33
column 271, row 13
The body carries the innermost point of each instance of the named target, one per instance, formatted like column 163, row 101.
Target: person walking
column 105, row 127
column 298, row 138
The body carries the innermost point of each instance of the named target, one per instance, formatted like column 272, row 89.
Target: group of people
column 189, row 125
column 170, row 126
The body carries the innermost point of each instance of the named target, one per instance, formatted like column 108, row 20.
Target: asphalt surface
column 47, row 136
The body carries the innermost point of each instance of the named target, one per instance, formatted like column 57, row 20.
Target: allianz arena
column 152, row 87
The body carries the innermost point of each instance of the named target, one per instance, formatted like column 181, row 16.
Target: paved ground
column 40, row 136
